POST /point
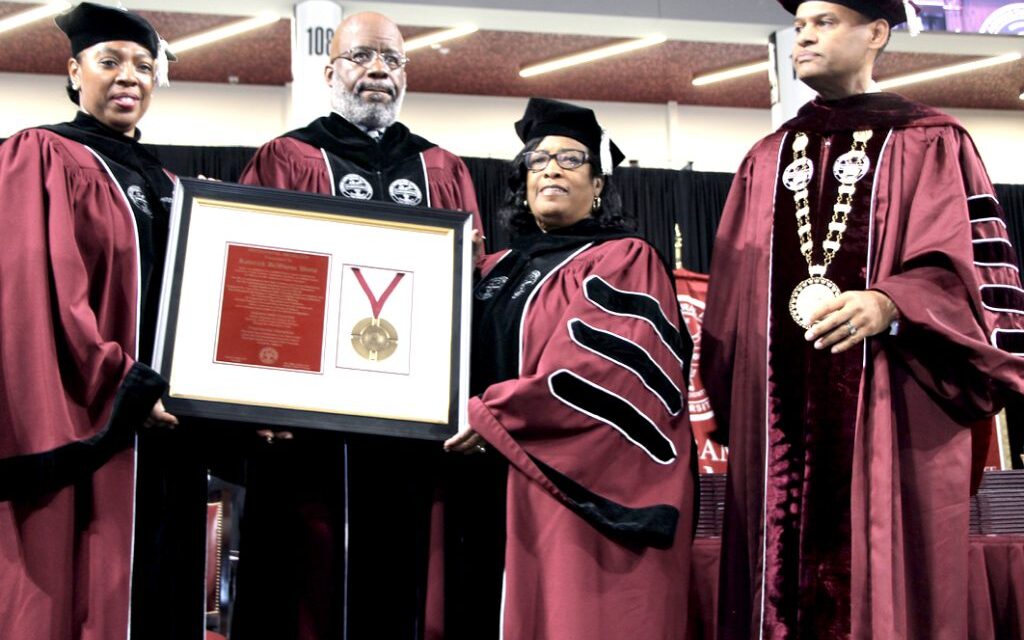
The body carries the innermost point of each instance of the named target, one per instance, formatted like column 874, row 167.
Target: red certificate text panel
column 272, row 308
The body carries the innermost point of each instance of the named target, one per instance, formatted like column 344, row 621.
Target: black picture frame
column 176, row 315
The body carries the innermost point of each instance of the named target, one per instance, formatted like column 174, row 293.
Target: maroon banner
column 691, row 291
column 272, row 308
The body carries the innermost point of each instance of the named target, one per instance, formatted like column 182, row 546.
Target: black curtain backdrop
column 1011, row 196
column 655, row 199
column 705, row 194
column 490, row 179
column 220, row 163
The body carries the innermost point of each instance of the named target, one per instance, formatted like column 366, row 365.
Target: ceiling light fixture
column 436, row 37
column 32, row 15
column 942, row 72
column 730, row 73
column 590, row 56
column 222, row 33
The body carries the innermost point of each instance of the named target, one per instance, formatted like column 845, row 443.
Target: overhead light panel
column 437, row 37
column 731, row 72
column 222, row 33
column 32, row 15
column 942, row 72
column 590, row 56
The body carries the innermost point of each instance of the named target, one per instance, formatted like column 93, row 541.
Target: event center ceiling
column 487, row 63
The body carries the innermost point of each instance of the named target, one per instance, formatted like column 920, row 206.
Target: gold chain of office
column 848, row 169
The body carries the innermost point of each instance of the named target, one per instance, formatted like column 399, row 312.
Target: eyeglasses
column 568, row 159
column 365, row 58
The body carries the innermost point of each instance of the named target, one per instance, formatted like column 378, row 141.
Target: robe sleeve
column 286, row 163
column 71, row 393
column 718, row 332
column 450, row 184
column 598, row 419
column 726, row 301
column 957, row 285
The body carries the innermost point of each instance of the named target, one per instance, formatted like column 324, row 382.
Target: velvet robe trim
column 653, row 526
column 632, row 357
column 123, row 150
column 642, row 306
column 866, row 111
column 346, row 140
column 34, row 474
column 813, row 409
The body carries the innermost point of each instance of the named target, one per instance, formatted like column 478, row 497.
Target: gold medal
column 374, row 339
column 808, row 296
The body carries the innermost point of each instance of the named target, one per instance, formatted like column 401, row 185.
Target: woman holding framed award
column 578, row 382
column 85, row 225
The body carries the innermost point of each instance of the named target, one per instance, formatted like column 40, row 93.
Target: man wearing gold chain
column 865, row 309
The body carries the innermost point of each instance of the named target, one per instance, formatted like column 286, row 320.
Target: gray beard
column 368, row 115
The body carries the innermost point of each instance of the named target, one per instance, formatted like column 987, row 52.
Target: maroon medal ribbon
column 376, row 304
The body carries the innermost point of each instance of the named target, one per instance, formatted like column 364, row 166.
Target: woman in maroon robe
column 84, row 225
column 578, row 380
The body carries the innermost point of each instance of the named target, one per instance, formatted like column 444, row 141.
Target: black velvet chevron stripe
column 641, row 306
column 651, row 526
column 1000, row 298
column 609, row 408
column 632, row 357
column 984, row 208
column 996, row 252
column 1010, row 341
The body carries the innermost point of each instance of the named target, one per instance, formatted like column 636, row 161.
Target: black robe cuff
column 653, row 526
column 42, row 473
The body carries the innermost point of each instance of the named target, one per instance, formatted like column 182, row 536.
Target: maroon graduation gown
column 71, row 392
column 600, row 486
column 375, row 497
column 936, row 244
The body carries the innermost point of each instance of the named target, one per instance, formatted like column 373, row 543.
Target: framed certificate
column 289, row 309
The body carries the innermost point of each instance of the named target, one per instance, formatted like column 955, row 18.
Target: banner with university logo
column 691, row 291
